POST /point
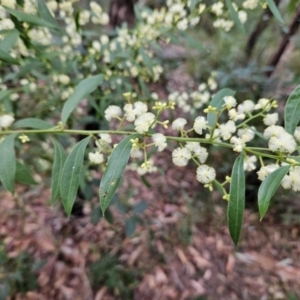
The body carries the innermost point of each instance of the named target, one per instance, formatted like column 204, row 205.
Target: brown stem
column 273, row 61
column 121, row 11
column 259, row 29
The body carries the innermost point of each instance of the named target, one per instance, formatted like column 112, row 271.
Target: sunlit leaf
column 33, row 123
column 234, row 16
column 45, row 14
column 84, row 88
column 274, row 10
column 114, row 171
column 8, row 162
column 292, row 111
column 236, row 204
column 30, row 19
column 69, row 180
column 58, row 163
column 268, row 188
column 9, row 40
column 4, row 56
column 23, row 174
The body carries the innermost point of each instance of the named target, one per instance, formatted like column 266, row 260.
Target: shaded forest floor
column 180, row 249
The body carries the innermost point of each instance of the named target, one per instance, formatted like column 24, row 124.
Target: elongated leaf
column 45, row 13
column 236, row 204
column 114, row 171
column 218, row 102
column 8, row 163
column 23, row 174
column 59, row 160
column 292, row 111
column 234, row 15
column 84, row 88
column 32, row 123
column 4, row 94
column 70, row 175
column 274, row 10
column 30, row 19
column 4, row 56
column 9, row 40
column 268, row 188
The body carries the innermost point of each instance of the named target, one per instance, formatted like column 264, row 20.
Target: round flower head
column 129, row 112
column 179, row 123
column 270, row 119
column 159, row 141
column 205, row 174
column 105, row 137
column 230, row 102
column 96, row 158
column 139, row 108
column 227, row 129
column 297, row 134
column 246, row 107
column 112, row 111
column 143, row 122
column 181, row 156
column 273, row 130
column 235, row 116
column 249, row 163
column 266, row 170
column 283, row 142
column 200, row 124
column 6, row 121
column 246, row 134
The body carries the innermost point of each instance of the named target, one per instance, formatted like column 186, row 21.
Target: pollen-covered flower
column 139, row 108
column 234, row 115
column 179, row 123
column 230, row 102
column 112, row 111
column 270, row 119
column 297, row 134
column 200, row 124
column 238, row 143
column 250, row 163
column 181, row 156
column 129, row 112
column 273, row 130
column 159, row 141
column 227, row 129
column 205, row 174
column 266, row 170
column 143, row 122
column 283, row 142
column 96, row 158
column 246, row 107
column 247, row 134
column 6, row 121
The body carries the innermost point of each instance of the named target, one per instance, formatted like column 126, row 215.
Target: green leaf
column 218, row 102
column 23, row 174
column 292, row 111
column 45, row 14
column 234, row 16
column 268, row 188
column 32, row 123
column 69, row 181
column 8, row 163
column 58, row 163
column 30, row 19
column 84, row 88
column 114, row 171
column 4, row 94
column 9, row 40
column 130, row 226
column 4, row 56
column 236, row 204
column 274, row 10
